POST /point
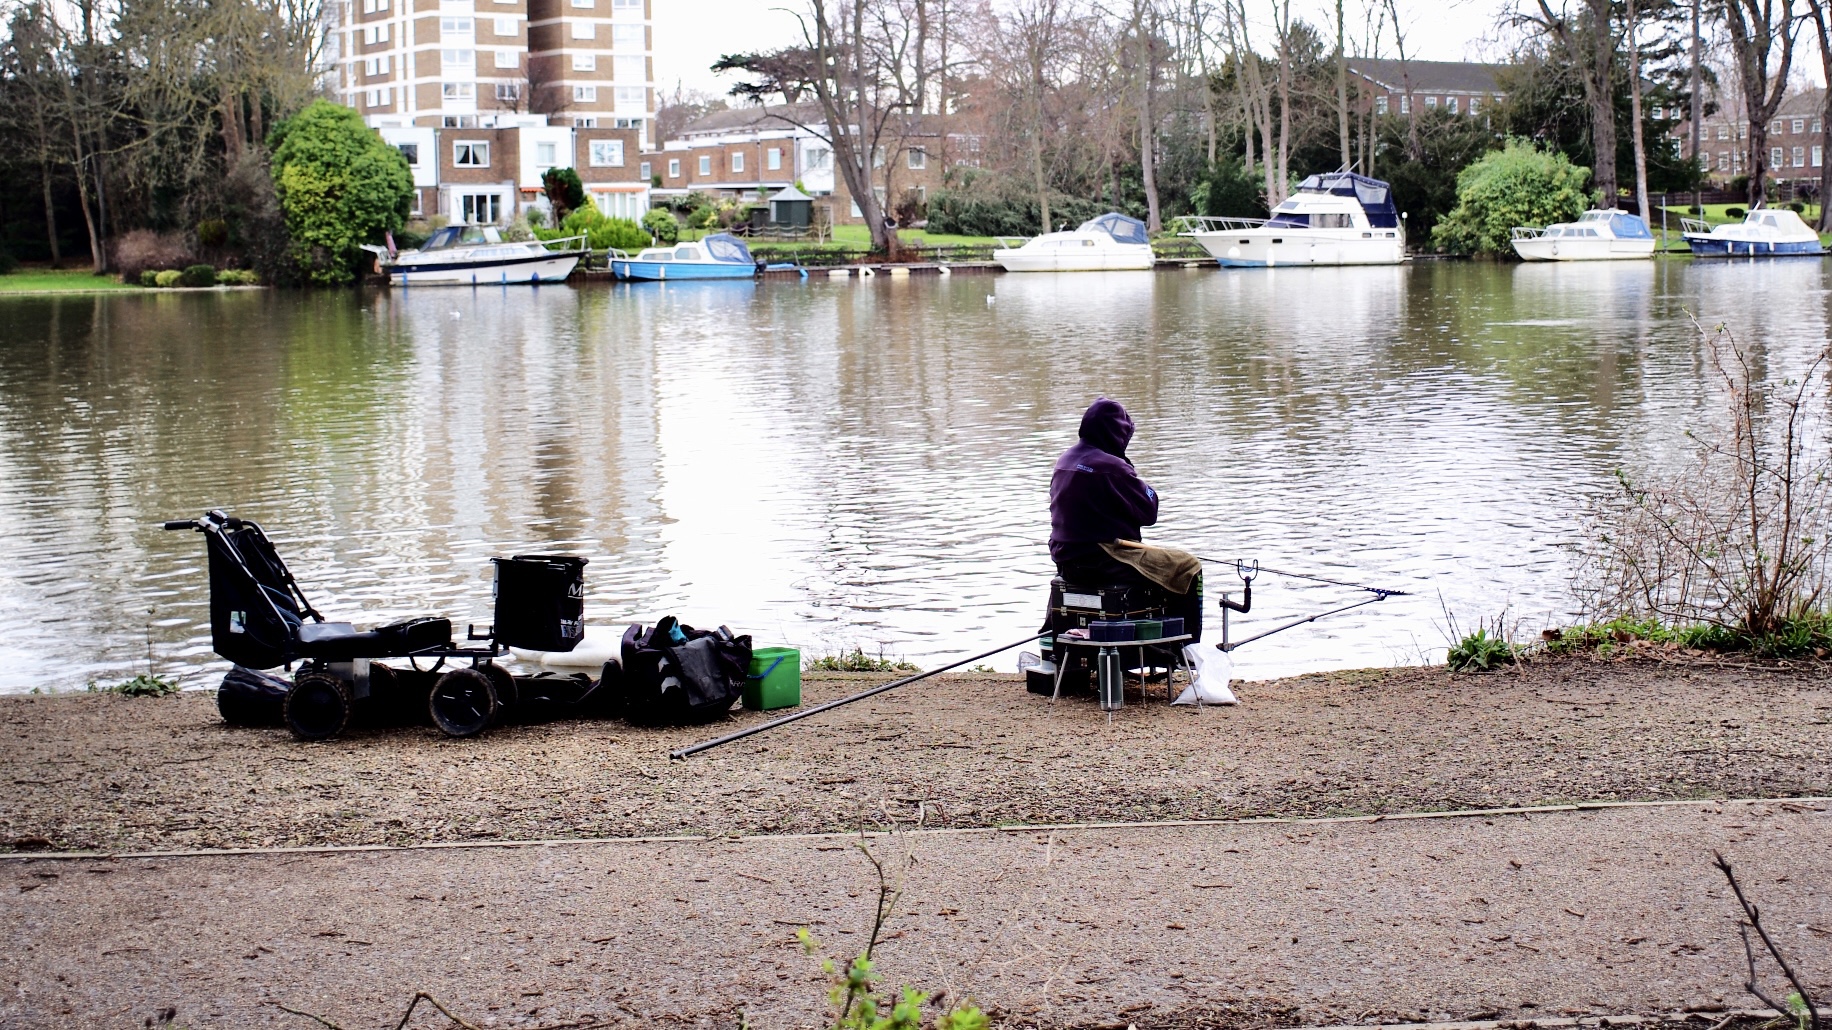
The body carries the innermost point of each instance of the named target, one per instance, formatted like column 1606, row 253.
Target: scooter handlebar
column 182, row 524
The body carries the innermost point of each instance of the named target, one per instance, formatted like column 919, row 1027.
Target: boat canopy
column 1629, row 227
column 1373, row 195
column 456, row 235
column 1118, row 226
column 726, row 247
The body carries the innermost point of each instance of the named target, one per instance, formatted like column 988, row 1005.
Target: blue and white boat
column 1764, row 232
column 1597, row 235
column 719, row 256
column 477, row 255
column 1335, row 219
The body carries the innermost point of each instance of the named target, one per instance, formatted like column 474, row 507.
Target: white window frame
column 629, row 37
column 1405, row 103
column 1450, row 104
column 506, row 59
column 611, row 150
column 737, row 161
column 1776, row 159
column 705, row 164
column 626, row 5
column 457, row 91
column 1472, row 104
column 630, row 68
column 674, row 168
column 1799, row 124
column 505, row 27
column 585, row 62
column 1431, row 103
column 1380, row 105
column 493, row 206
column 917, row 159
column 453, row 25
column 1800, row 157
column 477, row 150
column 1818, row 156
column 631, row 96
column 457, row 58
column 1723, row 132
column 508, row 91
column 585, row 94
column 582, row 29
column 646, row 171
column 546, row 153
column 587, row 4
column 772, row 159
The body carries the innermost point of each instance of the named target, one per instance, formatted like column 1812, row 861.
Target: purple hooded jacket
column 1095, row 496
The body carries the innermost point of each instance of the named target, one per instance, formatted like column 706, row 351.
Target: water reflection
column 846, row 463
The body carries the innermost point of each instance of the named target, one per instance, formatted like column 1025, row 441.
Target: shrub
column 535, row 217
column 238, row 277
column 703, row 217
column 1693, row 209
column 603, row 232
column 564, row 190
column 150, row 277
column 8, row 263
column 857, row 661
column 662, row 225
column 1229, row 190
column 198, row 275
column 1480, row 652
column 340, row 185
column 167, row 278
column 1517, row 185
column 1797, row 207
column 212, row 232
column 143, row 249
column 1734, row 212
column 991, row 205
column 145, row 685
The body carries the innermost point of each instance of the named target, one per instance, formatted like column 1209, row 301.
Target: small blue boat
column 719, row 256
column 1764, row 232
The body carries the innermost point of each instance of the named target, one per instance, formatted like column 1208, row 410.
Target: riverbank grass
column 60, row 280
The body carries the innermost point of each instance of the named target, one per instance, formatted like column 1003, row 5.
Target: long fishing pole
column 1314, row 579
column 1227, row 645
column 695, row 749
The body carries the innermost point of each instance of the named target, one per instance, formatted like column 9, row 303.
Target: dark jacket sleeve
column 1138, row 498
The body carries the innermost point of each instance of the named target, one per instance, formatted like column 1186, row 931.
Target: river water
column 852, row 463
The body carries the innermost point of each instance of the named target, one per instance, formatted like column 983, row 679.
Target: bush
column 198, row 275
column 662, row 225
column 340, row 185
column 238, row 277
column 1518, row 185
column 145, row 685
column 150, row 277
column 144, row 249
column 1797, row 207
column 603, row 232
column 212, row 232
column 534, row 216
column 703, row 217
column 1734, row 212
column 1229, row 190
column 991, row 205
column 564, row 190
column 167, row 278
column 8, row 263
column 1480, row 652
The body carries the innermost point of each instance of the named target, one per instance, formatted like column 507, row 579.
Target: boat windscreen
column 723, row 247
column 1629, row 227
column 1372, row 194
column 442, row 238
column 1118, row 226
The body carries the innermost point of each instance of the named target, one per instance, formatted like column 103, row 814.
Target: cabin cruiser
column 1596, row 236
column 719, row 256
column 1764, row 232
column 477, row 255
column 1335, row 219
column 1112, row 241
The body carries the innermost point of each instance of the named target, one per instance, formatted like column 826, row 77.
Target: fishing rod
column 695, row 749
column 1239, row 565
column 1248, row 573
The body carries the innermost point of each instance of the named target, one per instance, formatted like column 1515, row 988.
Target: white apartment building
column 462, row 64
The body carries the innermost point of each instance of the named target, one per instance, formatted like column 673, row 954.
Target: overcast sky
column 691, row 34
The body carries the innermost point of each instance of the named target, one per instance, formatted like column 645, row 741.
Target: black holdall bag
column 674, row 674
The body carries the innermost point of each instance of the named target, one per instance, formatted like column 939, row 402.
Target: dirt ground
column 113, row 773
column 1219, row 926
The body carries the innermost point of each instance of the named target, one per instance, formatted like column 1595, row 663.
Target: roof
column 1429, row 76
column 789, row 193
column 780, row 117
column 1809, row 102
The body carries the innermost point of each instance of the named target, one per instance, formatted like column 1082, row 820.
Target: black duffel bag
column 674, row 674
column 249, row 697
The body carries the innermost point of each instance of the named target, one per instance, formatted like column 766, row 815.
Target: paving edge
column 1564, row 1021
column 1804, row 803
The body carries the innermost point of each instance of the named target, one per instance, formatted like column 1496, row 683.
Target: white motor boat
column 477, row 255
column 1111, row 242
column 1596, row 236
column 1764, row 232
column 1335, row 219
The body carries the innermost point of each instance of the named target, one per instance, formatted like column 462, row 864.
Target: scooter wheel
column 462, row 703
column 318, row 707
column 508, row 695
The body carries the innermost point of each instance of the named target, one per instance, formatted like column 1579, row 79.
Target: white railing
column 1012, row 242
column 1189, row 225
column 548, row 244
column 1697, row 226
column 1526, row 232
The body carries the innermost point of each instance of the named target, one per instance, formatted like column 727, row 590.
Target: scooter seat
column 341, row 641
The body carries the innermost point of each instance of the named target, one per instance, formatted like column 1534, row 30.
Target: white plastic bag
column 1213, row 670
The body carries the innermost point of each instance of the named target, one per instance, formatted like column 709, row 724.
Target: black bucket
column 540, row 601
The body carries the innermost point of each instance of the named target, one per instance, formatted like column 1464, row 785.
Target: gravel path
column 108, row 772
column 1610, row 912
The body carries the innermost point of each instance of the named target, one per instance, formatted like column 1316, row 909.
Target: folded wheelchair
column 260, row 619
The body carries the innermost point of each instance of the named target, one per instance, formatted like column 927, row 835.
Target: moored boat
column 1764, row 232
column 477, row 255
column 719, row 256
column 1111, row 242
column 1335, row 219
column 1596, row 236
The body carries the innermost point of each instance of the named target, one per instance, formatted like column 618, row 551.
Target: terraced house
column 1796, row 148
column 483, row 96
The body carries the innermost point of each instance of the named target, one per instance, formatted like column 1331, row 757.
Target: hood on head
column 1106, row 425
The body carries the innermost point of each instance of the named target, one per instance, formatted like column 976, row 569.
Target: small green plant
column 198, row 275
column 147, row 685
column 167, row 278
column 662, row 225
column 149, row 277
column 1734, row 212
column 1480, row 652
column 238, row 277
column 857, row 661
column 212, row 232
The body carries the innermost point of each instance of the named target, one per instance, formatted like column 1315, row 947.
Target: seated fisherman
column 1098, row 505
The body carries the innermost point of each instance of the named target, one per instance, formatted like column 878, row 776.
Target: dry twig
column 1753, row 920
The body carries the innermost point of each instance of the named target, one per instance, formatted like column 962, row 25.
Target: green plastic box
column 1147, row 629
column 774, row 680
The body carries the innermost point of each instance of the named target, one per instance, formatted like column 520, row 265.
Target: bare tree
column 1589, row 41
column 1821, row 22
column 1755, row 27
column 1022, row 42
column 1630, row 31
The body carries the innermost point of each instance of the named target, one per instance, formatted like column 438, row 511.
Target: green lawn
column 1715, row 214
column 857, row 237
column 44, row 280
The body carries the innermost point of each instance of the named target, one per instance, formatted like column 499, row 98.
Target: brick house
column 492, row 175
column 1795, row 140
column 1392, row 87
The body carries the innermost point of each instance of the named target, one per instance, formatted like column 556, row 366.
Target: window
column 629, row 37
column 1431, row 103
column 674, row 168
column 508, row 91
column 1380, row 105
column 817, row 158
column 582, row 30
column 585, row 123
column 737, row 160
column 585, row 94
column 626, row 5
column 1817, row 156
column 1800, row 125
column 480, row 208
column 379, row 65
column 643, row 171
column 1775, row 126
column 607, row 153
column 457, row 91
column 1800, row 157
column 1405, row 104
column 1723, row 132
column 458, row 121
column 506, row 59
column 1472, row 105
column 454, row 26
column 471, row 154
column 1816, row 125
column 457, row 58
column 1723, row 161
column 377, row 33
column 585, row 62
column 544, row 155
column 1450, row 104
column 631, row 96
column 631, row 69
column 582, row 3
column 374, row 99
column 705, row 164
column 505, row 27
column 919, row 158
column 626, row 123
column 410, row 151
column 1774, row 157
column 773, row 159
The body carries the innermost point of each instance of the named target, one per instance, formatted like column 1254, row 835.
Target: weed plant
column 145, row 685
column 857, row 661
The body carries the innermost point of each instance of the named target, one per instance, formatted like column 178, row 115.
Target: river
column 852, row 463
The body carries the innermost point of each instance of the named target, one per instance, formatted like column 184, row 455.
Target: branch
column 1754, row 917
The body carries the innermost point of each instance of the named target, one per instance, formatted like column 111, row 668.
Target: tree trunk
column 57, row 258
column 1148, row 140
column 1696, row 102
column 1754, row 27
column 1599, row 85
column 1820, row 23
column 1284, row 100
column 232, row 125
column 1634, row 105
column 257, row 126
column 1342, row 86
